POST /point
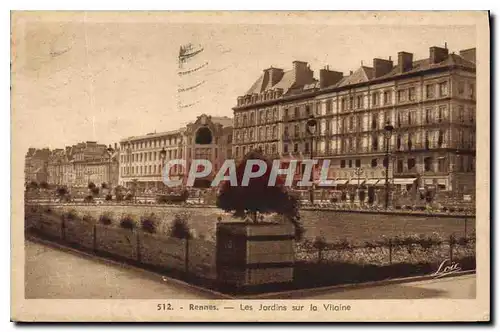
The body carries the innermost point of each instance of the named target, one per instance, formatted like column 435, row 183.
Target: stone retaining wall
column 166, row 252
column 113, row 240
column 78, row 232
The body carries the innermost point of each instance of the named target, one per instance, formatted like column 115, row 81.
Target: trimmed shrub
column 106, row 218
column 88, row 218
column 88, row 199
column 342, row 245
column 128, row 222
column 70, row 215
column 319, row 242
column 109, row 197
column 149, row 223
column 129, row 197
column 180, row 228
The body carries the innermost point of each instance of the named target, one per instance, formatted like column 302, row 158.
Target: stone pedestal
column 251, row 254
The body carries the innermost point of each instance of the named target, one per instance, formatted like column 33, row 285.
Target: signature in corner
column 447, row 267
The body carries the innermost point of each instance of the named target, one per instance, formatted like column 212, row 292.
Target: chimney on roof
column 329, row 77
column 405, row 61
column 469, row 54
column 381, row 67
column 302, row 73
column 437, row 54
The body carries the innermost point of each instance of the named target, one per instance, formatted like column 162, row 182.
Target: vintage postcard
column 250, row 166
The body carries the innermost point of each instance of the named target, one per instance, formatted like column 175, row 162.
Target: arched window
column 203, row 136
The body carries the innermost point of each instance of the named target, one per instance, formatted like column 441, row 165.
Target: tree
column 91, row 185
column 44, row 185
column 104, row 185
column 258, row 196
column 180, row 227
column 33, row 185
column 95, row 191
column 62, row 193
column 134, row 184
column 119, row 193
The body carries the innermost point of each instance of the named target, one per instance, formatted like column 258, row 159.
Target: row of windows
column 263, row 116
column 440, row 164
column 430, row 115
column 430, row 164
column 402, row 95
column 263, row 133
column 148, row 156
column 152, row 143
column 266, row 149
column 357, row 123
column 142, row 170
column 427, row 140
column 267, row 95
column 378, row 98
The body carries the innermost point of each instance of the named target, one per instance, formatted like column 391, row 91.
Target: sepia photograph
column 271, row 166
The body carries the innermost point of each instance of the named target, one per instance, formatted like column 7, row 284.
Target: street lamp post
column 110, row 151
column 387, row 133
column 358, row 172
column 311, row 127
column 163, row 155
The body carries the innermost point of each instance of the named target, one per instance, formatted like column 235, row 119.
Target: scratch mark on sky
column 90, row 79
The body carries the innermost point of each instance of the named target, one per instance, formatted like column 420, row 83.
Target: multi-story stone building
column 80, row 164
column 142, row 160
column 35, row 165
column 431, row 103
column 55, row 168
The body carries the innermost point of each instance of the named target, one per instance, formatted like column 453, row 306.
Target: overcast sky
column 76, row 79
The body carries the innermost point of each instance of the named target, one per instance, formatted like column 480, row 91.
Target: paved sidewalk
column 57, row 274
column 459, row 287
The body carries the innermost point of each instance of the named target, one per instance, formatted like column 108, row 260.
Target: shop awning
column 404, row 180
column 340, row 182
column 443, row 181
column 371, row 182
column 428, row 181
column 381, row 182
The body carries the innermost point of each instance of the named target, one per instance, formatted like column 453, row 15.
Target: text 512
column 164, row 307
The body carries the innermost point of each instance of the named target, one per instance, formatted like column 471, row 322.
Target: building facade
column 431, row 103
column 142, row 161
column 36, row 165
column 80, row 164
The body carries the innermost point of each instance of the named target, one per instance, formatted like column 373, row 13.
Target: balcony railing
column 290, row 136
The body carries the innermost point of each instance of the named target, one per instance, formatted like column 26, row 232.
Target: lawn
column 333, row 225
